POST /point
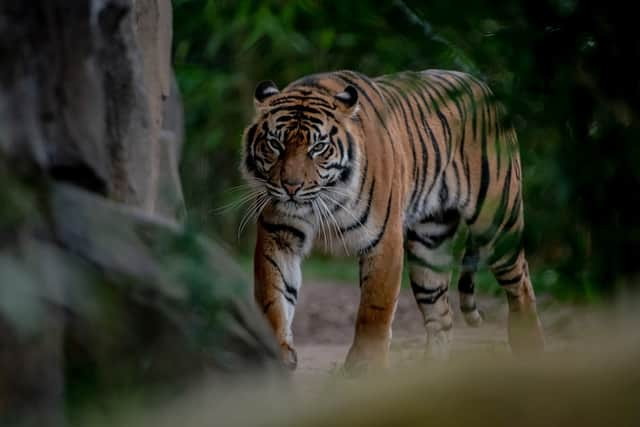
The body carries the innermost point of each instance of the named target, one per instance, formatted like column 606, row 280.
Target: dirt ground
column 325, row 318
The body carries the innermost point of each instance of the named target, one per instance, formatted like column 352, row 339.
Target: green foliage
column 561, row 67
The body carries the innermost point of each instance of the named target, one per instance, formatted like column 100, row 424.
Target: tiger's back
column 381, row 166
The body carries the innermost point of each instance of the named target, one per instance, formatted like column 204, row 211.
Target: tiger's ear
column 347, row 99
column 264, row 90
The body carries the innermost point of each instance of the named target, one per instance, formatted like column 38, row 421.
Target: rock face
column 90, row 83
column 100, row 283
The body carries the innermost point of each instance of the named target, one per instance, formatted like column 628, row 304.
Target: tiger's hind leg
column 430, row 255
column 502, row 249
column 525, row 331
column 466, row 288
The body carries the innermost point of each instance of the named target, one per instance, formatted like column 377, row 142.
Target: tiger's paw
column 473, row 318
column 525, row 334
column 289, row 356
column 363, row 359
column 438, row 345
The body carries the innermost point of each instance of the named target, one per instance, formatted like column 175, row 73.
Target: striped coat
column 384, row 169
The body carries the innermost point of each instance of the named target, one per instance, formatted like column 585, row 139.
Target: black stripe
column 423, row 145
column 313, row 120
column 363, row 178
column 305, row 98
column 313, row 126
column 460, row 89
column 434, row 143
column 412, row 145
column 467, row 176
column 486, row 236
column 512, row 281
column 506, row 266
column 299, row 109
column 456, row 174
column 377, row 239
column 328, row 113
column 285, row 118
column 415, row 237
column 446, row 216
column 427, row 296
column 472, row 100
column 484, row 174
column 311, row 81
column 514, row 216
column 336, row 166
column 432, row 241
column 453, row 93
column 290, row 293
column 338, row 142
column 267, row 306
column 345, row 175
column 365, row 215
column 350, row 145
column 444, row 191
column 465, row 284
column 446, row 130
column 441, row 102
column 283, row 228
column 438, row 165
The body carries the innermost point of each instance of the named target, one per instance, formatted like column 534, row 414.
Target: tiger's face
column 301, row 151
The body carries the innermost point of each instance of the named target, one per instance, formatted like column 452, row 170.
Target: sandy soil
column 325, row 318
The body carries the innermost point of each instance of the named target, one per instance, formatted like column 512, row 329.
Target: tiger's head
column 301, row 151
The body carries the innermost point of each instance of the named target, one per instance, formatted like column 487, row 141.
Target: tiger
column 387, row 169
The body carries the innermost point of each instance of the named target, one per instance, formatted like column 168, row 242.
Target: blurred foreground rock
column 103, row 290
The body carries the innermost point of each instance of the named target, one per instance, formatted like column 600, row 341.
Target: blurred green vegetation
column 562, row 67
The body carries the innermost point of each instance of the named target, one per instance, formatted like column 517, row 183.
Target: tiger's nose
column 291, row 187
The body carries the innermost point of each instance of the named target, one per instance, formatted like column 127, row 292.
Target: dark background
column 564, row 69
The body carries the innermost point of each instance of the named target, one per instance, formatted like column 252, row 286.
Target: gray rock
column 100, row 280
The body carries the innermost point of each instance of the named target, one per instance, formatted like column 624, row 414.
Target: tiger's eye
column 274, row 144
column 319, row 148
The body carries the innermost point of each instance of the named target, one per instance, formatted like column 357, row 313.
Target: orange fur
column 379, row 167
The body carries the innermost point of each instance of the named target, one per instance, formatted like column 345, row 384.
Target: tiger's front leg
column 277, row 280
column 380, row 276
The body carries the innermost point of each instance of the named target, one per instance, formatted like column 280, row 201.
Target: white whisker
column 358, row 222
column 327, row 222
column 335, row 224
column 254, row 210
column 316, row 211
column 340, row 192
column 237, row 203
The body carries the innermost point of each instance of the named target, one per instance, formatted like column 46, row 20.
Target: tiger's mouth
column 291, row 203
column 280, row 197
column 295, row 204
column 293, row 207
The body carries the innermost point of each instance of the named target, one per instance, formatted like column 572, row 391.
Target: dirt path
column 325, row 316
